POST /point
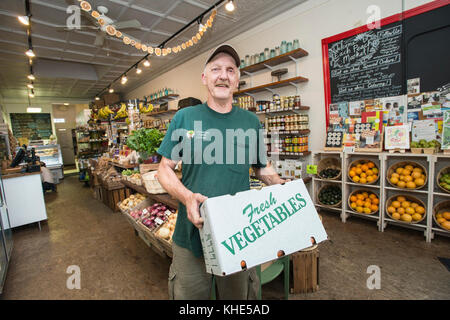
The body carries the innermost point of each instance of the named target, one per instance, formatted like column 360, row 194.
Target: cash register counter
column 24, row 198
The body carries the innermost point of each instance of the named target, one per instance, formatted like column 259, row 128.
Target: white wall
column 309, row 22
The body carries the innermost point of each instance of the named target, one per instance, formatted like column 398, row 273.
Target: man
column 48, row 183
column 210, row 172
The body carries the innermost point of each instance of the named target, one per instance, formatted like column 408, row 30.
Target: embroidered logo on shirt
column 190, row 134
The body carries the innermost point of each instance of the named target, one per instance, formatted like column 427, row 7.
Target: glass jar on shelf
column 283, row 47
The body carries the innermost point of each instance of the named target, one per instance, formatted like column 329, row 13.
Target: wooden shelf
column 164, row 198
column 123, row 166
column 293, row 132
column 272, row 85
column 286, row 57
column 164, row 99
column 290, row 154
column 151, row 114
column 305, row 180
column 284, row 112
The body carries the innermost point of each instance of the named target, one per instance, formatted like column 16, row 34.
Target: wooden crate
column 306, row 270
column 112, row 197
column 166, row 245
column 97, row 192
column 151, row 238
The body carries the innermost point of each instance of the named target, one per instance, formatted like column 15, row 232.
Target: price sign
column 311, row 169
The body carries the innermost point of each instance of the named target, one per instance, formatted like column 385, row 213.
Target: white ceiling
column 159, row 20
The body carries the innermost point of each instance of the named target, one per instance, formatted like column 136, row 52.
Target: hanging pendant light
column 30, row 53
column 230, row 6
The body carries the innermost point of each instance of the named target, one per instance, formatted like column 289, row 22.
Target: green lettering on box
column 286, row 210
column 293, row 204
column 298, row 196
column 257, row 229
column 239, row 240
column 229, row 248
column 273, row 219
column 263, row 218
column 280, row 213
column 253, row 238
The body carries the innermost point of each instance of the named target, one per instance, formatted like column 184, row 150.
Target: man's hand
column 192, row 207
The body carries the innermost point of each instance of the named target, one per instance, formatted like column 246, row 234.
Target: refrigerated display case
column 51, row 155
column 6, row 242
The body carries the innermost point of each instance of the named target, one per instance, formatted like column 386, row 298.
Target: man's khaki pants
column 188, row 280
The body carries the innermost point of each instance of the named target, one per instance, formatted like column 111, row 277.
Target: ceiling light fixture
column 31, row 76
column 230, row 6
column 66, row 104
column 138, row 70
column 124, row 79
column 25, row 20
column 31, row 93
column 34, row 110
column 30, row 85
column 146, row 63
column 111, row 90
column 30, row 53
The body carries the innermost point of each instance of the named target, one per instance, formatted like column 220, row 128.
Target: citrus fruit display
column 365, row 202
column 443, row 219
column 364, row 172
column 403, row 209
column 407, row 177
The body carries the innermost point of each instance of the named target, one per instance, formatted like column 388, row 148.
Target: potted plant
column 146, row 142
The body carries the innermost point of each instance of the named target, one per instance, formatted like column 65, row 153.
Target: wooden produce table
column 164, row 198
column 123, row 166
column 112, row 196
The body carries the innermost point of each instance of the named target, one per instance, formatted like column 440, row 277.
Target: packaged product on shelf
column 253, row 227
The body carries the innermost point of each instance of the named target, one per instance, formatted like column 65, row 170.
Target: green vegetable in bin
column 444, row 181
column 329, row 173
column 330, row 195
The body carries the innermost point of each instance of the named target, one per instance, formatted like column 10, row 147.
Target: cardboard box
column 253, row 226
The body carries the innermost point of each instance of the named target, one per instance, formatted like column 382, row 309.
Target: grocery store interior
column 348, row 109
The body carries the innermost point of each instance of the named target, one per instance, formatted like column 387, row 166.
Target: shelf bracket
column 268, row 67
column 296, row 86
column 297, row 71
column 270, row 90
column 251, row 77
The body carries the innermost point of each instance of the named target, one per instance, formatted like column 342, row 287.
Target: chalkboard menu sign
column 366, row 65
column 33, row 126
column 363, row 64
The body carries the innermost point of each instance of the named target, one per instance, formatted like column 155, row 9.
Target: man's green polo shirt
column 217, row 150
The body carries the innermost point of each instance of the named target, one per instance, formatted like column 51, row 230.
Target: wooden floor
column 115, row 264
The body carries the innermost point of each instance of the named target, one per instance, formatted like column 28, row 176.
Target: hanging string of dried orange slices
column 111, row 30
